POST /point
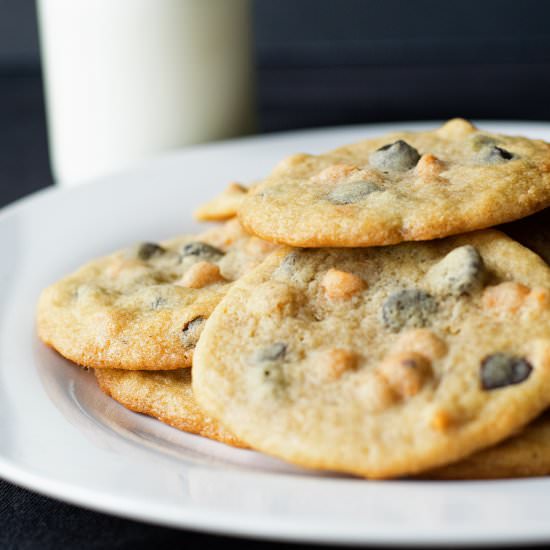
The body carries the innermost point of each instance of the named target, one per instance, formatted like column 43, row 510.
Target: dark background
column 320, row 62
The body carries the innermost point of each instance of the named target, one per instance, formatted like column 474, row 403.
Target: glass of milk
column 125, row 79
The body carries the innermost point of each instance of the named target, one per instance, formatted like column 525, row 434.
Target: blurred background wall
column 324, row 62
column 345, row 61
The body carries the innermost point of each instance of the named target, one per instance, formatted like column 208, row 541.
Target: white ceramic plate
column 60, row 436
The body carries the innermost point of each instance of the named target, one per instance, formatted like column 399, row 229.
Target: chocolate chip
column 496, row 155
column 271, row 379
column 273, row 352
column 267, row 367
column 501, row 369
column 295, row 266
column 145, row 251
column 398, row 157
column 201, row 250
column 408, row 308
column 461, row 271
column 191, row 331
column 352, row 192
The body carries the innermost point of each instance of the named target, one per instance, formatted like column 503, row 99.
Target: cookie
column 144, row 308
column 532, row 232
column 405, row 186
column 524, row 455
column 165, row 395
column 224, row 206
column 381, row 362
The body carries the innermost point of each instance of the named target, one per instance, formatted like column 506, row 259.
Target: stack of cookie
column 357, row 316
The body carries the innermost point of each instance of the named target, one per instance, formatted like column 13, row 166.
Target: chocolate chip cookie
column 405, row 186
column 383, row 361
column 144, row 308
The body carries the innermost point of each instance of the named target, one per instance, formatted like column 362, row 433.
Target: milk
column 125, row 79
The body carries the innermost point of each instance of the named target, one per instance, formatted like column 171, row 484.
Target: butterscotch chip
column 341, row 285
column 455, row 129
column 538, row 298
column 406, row 372
column 507, row 297
column 374, row 392
column 337, row 173
column 338, row 361
column 266, row 375
column 421, row 341
column 429, row 169
column 379, row 192
column 441, row 421
column 200, row 275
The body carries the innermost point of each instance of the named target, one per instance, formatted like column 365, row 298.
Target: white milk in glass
column 125, row 79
